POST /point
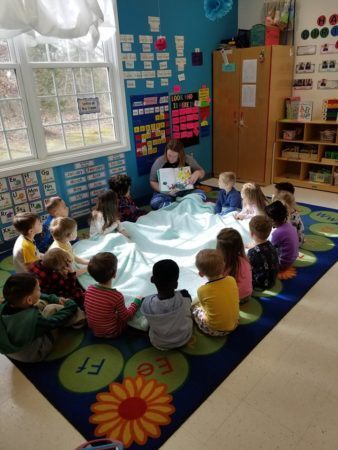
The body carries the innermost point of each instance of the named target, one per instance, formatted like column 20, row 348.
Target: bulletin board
column 151, row 128
column 185, row 118
column 77, row 184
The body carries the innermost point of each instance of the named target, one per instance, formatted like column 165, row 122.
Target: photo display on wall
column 151, row 128
column 185, row 118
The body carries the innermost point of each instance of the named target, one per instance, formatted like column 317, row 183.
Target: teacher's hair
column 176, row 146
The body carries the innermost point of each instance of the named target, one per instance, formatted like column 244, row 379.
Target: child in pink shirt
column 230, row 243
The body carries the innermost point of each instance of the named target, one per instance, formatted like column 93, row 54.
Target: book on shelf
column 291, row 107
column 177, row 178
column 305, row 110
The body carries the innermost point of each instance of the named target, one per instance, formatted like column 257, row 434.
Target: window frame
column 40, row 158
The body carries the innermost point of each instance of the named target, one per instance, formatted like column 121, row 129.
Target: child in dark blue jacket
column 229, row 199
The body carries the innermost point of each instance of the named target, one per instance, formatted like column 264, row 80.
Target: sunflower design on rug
column 287, row 273
column 132, row 411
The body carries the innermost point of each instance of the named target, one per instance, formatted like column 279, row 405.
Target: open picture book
column 174, row 179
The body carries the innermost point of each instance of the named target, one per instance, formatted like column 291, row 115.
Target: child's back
column 263, row 256
column 107, row 315
column 25, row 334
column 284, row 237
column 170, row 322
column 127, row 208
column 168, row 312
column 230, row 243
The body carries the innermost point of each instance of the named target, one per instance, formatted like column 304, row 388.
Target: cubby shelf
column 309, row 165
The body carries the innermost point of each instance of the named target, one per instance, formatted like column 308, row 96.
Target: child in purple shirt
column 284, row 237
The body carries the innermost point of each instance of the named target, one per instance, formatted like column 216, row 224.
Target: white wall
column 250, row 12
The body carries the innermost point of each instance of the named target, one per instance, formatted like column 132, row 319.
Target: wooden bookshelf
column 303, row 154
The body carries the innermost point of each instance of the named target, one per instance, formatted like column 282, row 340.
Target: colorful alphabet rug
column 127, row 390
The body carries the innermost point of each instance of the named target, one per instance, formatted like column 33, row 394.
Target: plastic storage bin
column 320, row 177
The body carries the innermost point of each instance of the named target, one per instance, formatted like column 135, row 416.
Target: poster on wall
column 185, row 118
column 151, row 128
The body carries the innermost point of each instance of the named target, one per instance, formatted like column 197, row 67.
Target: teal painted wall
column 178, row 17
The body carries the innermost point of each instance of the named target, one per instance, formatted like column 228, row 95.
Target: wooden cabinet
column 306, row 154
column 243, row 137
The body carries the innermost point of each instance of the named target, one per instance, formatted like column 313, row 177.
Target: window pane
column 68, row 108
column 44, row 83
column 64, row 81
column 49, row 111
column 107, row 130
column 54, row 138
column 91, row 132
column 8, row 83
column 4, row 156
column 58, row 51
column 5, row 55
column 12, row 114
column 83, row 81
column 73, row 135
column 18, row 143
column 105, row 106
column 100, row 76
column 36, row 53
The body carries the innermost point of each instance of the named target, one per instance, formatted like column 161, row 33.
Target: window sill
column 23, row 166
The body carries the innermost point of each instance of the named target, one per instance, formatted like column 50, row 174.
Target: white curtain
column 65, row 19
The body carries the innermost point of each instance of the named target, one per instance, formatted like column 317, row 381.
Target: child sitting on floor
column 55, row 207
column 127, row 209
column 284, row 237
column 263, row 255
column 168, row 311
column 218, row 310
column 105, row 217
column 56, row 275
column 25, row 252
column 230, row 243
column 229, row 199
column 288, row 200
column 64, row 230
column 25, row 334
column 106, row 312
column 284, row 187
column 254, row 201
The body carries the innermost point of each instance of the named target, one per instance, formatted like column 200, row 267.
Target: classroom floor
column 282, row 396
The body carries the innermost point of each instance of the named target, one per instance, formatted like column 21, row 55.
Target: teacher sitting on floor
column 174, row 156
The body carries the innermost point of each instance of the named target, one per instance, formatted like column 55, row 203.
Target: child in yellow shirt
column 217, row 312
column 25, row 252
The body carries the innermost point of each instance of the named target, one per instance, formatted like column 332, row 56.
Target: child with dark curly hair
column 127, row 208
column 284, row 237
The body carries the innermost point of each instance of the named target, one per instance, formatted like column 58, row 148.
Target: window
column 42, row 84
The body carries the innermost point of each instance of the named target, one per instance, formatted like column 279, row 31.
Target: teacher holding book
column 166, row 192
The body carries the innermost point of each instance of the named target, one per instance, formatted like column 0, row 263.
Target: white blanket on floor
column 176, row 232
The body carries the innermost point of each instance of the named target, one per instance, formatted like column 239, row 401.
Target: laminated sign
column 88, row 105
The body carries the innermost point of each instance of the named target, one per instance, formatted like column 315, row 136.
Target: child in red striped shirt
column 107, row 315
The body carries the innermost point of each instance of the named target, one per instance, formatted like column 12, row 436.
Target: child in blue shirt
column 55, row 207
column 229, row 199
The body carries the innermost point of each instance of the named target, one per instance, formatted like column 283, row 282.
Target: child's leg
column 160, row 200
column 198, row 315
column 78, row 319
column 34, row 352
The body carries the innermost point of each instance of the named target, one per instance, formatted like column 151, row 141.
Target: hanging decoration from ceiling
column 216, row 9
